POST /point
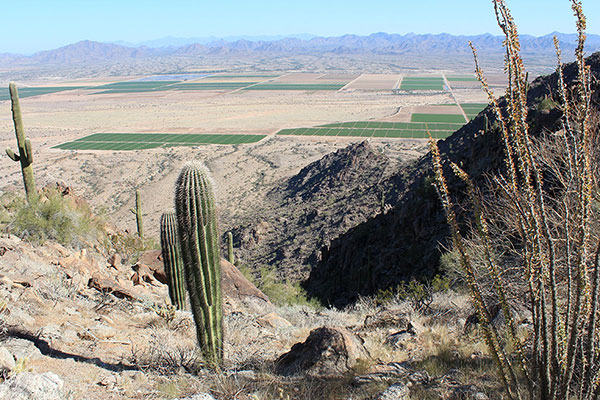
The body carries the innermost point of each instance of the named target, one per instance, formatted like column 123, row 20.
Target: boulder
column 327, row 352
column 107, row 285
column 199, row 396
column 240, row 294
column 393, row 372
column 30, row 386
column 7, row 361
column 388, row 319
column 398, row 391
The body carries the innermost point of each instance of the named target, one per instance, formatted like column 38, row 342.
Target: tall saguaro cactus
column 199, row 237
column 137, row 211
column 169, row 241
column 25, row 155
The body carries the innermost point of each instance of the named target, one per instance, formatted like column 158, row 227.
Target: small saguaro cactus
column 25, row 155
column 169, row 242
column 199, row 238
column 137, row 211
column 230, row 256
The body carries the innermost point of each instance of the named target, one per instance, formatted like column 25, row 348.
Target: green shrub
column 279, row 292
column 52, row 217
column 418, row 294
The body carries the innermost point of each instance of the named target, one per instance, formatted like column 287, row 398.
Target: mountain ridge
column 376, row 43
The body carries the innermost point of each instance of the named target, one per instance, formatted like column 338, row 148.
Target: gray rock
column 199, row 396
column 7, row 361
column 50, row 332
column 21, row 348
column 30, row 386
column 397, row 391
column 327, row 352
column 398, row 339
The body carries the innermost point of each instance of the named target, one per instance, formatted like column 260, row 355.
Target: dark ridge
column 408, row 241
column 304, row 213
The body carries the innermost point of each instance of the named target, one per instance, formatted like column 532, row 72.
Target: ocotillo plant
column 549, row 230
column 199, row 237
column 25, row 155
column 169, row 241
column 137, row 211
column 230, row 256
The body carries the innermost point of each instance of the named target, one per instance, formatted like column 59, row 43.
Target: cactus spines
column 230, row 256
column 169, row 242
column 25, row 155
column 199, row 238
column 137, row 211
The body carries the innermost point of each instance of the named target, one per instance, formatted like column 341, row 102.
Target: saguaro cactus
column 137, row 211
column 230, row 256
column 169, row 241
column 25, row 155
column 199, row 237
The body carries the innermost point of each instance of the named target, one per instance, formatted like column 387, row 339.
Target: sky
column 33, row 25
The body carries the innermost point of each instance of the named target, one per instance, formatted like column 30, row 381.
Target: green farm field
column 37, row 91
column 472, row 109
column 449, row 118
column 422, row 83
column 397, row 130
column 142, row 141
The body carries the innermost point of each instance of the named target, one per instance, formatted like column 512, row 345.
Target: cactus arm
column 11, row 154
column 230, row 256
column 28, row 151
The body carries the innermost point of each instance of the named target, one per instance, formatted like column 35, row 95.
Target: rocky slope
column 407, row 241
column 303, row 214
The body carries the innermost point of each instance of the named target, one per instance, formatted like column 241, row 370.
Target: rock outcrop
column 407, row 241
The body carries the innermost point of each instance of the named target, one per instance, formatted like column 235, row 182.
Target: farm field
column 25, row 92
column 295, row 86
column 472, row 109
column 374, row 82
column 422, row 83
column 377, row 129
column 133, row 86
column 143, row 141
column 451, row 118
column 461, row 78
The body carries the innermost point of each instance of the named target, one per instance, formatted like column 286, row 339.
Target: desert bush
column 52, row 217
column 419, row 294
column 282, row 293
column 535, row 237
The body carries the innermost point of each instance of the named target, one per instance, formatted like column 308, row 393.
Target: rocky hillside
column 303, row 214
column 408, row 240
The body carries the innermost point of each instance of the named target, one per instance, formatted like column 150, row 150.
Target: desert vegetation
column 535, row 247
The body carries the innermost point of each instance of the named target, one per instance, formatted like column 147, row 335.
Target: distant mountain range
column 377, row 43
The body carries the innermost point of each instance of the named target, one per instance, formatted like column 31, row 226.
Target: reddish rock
column 143, row 274
column 114, row 261
column 153, row 259
column 107, row 285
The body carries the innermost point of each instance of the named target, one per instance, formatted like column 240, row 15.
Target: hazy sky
column 32, row 25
